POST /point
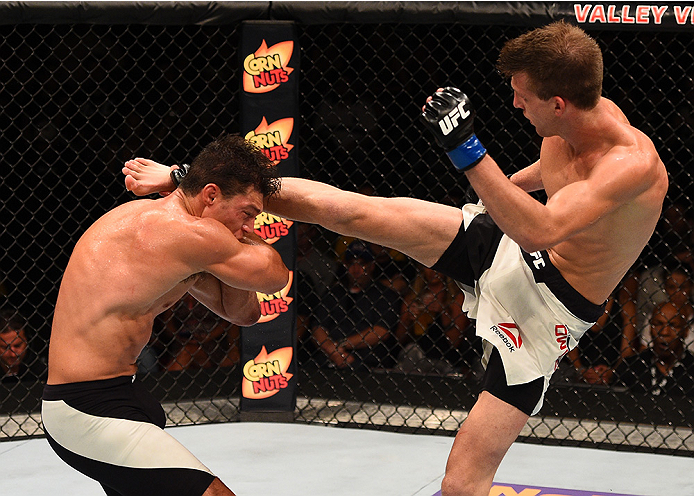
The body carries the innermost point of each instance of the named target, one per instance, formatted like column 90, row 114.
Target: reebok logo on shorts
column 509, row 334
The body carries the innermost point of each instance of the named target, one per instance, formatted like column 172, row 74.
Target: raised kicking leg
column 420, row 229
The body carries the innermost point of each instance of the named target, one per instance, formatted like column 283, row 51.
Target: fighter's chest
column 559, row 168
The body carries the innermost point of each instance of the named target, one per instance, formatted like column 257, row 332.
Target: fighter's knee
column 456, row 486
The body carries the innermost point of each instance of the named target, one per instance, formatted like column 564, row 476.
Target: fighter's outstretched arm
column 615, row 179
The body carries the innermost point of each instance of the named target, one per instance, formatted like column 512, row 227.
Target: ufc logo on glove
column 450, row 122
column 448, row 115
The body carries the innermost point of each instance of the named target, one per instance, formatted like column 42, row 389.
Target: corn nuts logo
column 266, row 375
column 267, row 68
column 273, row 139
column 275, row 304
column 271, row 227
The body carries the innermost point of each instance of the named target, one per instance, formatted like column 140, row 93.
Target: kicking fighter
column 133, row 263
column 535, row 275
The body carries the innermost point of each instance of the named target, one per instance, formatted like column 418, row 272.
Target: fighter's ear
column 559, row 105
column 209, row 193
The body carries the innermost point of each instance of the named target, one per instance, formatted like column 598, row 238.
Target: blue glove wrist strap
column 468, row 154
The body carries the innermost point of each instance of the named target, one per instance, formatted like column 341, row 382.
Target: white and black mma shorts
column 113, row 431
column 523, row 307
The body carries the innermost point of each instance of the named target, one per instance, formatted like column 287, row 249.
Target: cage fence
column 77, row 100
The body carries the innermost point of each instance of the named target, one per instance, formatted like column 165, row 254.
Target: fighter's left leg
column 482, row 442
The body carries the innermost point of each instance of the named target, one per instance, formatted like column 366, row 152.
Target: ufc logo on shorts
column 539, row 262
column 450, row 122
column 562, row 334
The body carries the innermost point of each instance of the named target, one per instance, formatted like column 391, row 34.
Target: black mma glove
column 449, row 116
column 177, row 175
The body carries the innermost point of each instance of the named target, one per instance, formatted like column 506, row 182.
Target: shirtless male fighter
column 133, row 263
column 535, row 275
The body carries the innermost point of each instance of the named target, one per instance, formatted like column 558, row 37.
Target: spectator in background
column 666, row 367
column 393, row 269
column 600, row 348
column 432, row 328
column 195, row 338
column 315, row 273
column 676, row 230
column 17, row 362
column 357, row 317
column 670, row 281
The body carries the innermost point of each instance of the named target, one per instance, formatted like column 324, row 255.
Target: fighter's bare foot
column 144, row 177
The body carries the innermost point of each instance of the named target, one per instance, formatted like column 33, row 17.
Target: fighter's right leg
column 112, row 430
column 420, row 229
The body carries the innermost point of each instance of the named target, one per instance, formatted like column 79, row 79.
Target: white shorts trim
column 126, row 443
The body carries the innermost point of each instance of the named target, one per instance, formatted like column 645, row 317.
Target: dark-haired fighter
column 130, row 265
column 535, row 275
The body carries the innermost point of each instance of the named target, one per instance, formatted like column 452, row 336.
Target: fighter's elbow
column 249, row 317
column 536, row 242
column 282, row 278
column 276, row 278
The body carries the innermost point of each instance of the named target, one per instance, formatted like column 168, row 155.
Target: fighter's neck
column 190, row 205
column 588, row 131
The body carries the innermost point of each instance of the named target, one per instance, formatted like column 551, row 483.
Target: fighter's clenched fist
column 449, row 115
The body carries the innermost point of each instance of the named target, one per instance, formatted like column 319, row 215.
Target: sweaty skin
column 139, row 259
column 605, row 186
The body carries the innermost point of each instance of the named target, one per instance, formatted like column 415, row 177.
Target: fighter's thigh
column 150, row 477
column 420, row 229
column 130, row 456
column 217, row 488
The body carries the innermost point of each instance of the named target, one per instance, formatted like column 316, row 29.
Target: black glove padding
column 449, row 116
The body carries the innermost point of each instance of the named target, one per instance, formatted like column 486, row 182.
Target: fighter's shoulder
column 199, row 232
column 177, row 228
column 638, row 153
column 631, row 144
column 636, row 165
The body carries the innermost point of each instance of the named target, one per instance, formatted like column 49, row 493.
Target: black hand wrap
column 177, row 175
column 449, row 116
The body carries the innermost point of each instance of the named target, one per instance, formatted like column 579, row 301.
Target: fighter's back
column 121, row 274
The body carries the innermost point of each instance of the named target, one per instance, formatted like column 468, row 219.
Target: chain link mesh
column 79, row 100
